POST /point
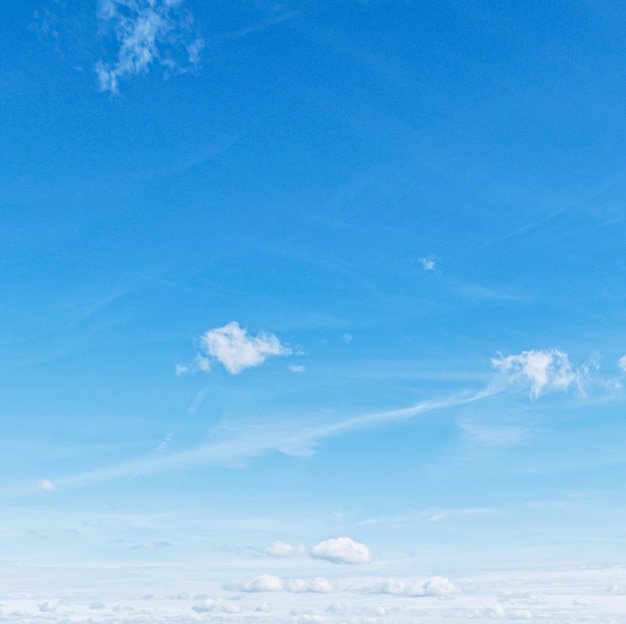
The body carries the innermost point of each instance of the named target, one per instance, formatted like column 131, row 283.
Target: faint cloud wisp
column 144, row 33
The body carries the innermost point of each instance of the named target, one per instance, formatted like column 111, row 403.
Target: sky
column 312, row 311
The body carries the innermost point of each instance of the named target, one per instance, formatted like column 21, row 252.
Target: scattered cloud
column 438, row 586
column 234, row 348
column 622, row 363
column 270, row 583
column 145, row 33
column 45, row 486
column 262, row 583
column 428, row 263
column 347, row 338
column 281, row 549
column 543, row 371
column 342, row 550
column 199, row 363
column 318, row 585
column 297, row 368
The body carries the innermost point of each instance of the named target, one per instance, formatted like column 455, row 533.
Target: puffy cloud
column 145, row 33
column 281, row 549
column 236, row 350
column 342, row 550
column 542, row 370
column 263, row 583
column 319, row 585
column 438, row 586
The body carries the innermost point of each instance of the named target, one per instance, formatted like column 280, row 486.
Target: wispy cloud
column 428, row 263
column 144, row 33
column 542, row 371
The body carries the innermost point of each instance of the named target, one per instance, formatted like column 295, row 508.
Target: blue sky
column 312, row 271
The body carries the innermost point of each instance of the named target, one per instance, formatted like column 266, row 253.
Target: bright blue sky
column 356, row 207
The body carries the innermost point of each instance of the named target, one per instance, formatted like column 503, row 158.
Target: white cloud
column 622, row 363
column 236, row 350
column 438, row 586
column 318, row 585
column 281, row 549
column 342, row 550
column 428, row 263
column 46, row 486
column 263, row 583
column 543, row 371
column 297, row 368
column 145, row 33
column 347, row 338
column 199, row 363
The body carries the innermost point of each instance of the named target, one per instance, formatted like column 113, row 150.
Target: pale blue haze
column 400, row 194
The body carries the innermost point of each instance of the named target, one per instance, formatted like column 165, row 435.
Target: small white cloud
column 342, row 550
column 437, row 517
column 199, row 363
column 347, row 338
column 297, row 368
column 46, row 486
column 542, row 370
column 146, row 33
column 622, row 363
column 263, row 583
column 264, row 607
column 438, row 586
column 207, row 605
column 47, row 607
column 428, row 263
column 319, row 585
column 236, row 350
column 281, row 549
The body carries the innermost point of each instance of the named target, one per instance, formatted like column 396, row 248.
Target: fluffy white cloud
column 438, row 586
column 622, row 363
column 281, row 549
column 262, row 583
column 543, row 371
column 319, row 585
column 342, row 550
column 236, row 350
column 146, row 32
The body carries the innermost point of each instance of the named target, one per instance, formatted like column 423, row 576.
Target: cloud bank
column 143, row 33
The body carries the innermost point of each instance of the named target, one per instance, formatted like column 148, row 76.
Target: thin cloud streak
column 247, row 447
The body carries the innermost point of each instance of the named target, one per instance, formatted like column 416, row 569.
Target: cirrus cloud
column 146, row 33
